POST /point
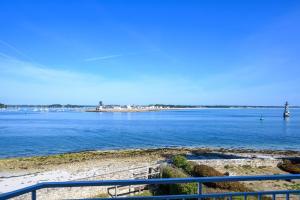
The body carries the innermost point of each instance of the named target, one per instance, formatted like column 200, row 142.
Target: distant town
column 157, row 107
column 128, row 108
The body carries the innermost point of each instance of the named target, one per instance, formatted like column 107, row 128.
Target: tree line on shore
column 2, row 105
column 47, row 106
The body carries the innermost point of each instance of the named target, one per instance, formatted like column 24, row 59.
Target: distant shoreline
column 179, row 108
column 164, row 106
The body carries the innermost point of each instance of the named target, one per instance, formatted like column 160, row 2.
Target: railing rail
column 199, row 180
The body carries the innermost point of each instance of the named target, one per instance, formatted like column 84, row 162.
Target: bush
column 196, row 170
column 183, row 188
column 2, row 105
column 289, row 166
column 205, row 171
column 182, row 163
column 179, row 161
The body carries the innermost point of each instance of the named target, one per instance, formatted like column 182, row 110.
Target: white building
column 128, row 107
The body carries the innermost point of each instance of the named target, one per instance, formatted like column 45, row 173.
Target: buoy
column 261, row 118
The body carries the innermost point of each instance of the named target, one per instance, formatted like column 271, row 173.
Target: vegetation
column 42, row 161
column 216, row 106
column 183, row 188
column 206, row 171
column 55, row 106
column 2, row 105
column 291, row 166
column 295, row 186
column 63, row 106
column 51, row 106
column 173, row 106
column 181, row 162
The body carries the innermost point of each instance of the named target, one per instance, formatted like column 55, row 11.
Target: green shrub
column 179, row 161
column 183, row 188
column 206, row 171
column 182, row 163
column 289, row 166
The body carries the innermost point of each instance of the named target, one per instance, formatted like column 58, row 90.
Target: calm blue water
column 41, row 133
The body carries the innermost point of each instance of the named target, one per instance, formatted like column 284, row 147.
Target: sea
column 35, row 132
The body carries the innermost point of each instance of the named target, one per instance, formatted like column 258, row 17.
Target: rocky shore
column 17, row 173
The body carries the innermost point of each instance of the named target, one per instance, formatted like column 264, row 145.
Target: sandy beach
column 17, row 173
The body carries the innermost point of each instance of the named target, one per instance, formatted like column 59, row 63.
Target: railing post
column 33, row 195
column 116, row 191
column 199, row 190
column 129, row 189
column 287, row 196
column 259, row 196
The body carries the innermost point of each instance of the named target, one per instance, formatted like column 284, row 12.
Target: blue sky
column 142, row 52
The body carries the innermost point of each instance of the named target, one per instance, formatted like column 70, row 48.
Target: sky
column 203, row 52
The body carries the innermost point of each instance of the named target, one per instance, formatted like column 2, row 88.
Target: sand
column 21, row 172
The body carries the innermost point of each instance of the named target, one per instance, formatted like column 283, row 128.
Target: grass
column 38, row 161
column 41, row 161
column 295, row 186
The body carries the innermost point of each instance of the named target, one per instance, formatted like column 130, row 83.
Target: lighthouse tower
column 286, row 112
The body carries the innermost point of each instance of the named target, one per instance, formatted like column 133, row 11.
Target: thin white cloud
column 15, row 49
column 3, row 55
column 119, row 55
column 26, row 82
column 103, row 57
column 14, row 68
